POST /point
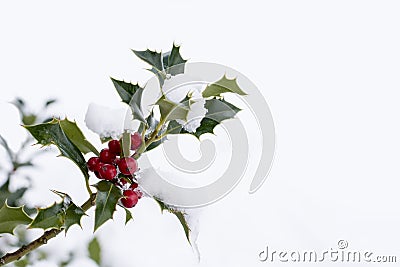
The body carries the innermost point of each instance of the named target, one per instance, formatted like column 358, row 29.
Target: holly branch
column 43, row 239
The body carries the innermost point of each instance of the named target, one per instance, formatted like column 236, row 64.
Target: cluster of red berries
column 112, row 166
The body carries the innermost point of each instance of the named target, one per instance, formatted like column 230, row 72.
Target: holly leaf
column 73, row 216
column 11, row 217
column 128, row 215
column 174, row 127
column 224, row 85
column 106, row 202
column 94, row 250
column 126, row 144
column 218, row 110
column 153, row 58
column 131, row 94
column 76, row 136
column 51, row 133
column 173, row 61
column 179, row 214
column 52, row 217
column 172, row 111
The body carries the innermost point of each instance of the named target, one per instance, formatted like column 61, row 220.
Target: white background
column 328, row 69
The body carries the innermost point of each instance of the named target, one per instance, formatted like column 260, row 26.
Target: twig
column 22, row 251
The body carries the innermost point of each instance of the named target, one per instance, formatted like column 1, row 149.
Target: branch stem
column 49, row 234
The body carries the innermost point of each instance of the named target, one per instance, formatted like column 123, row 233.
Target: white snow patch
column 145, row 179
column 109, row 122
column 177, row 88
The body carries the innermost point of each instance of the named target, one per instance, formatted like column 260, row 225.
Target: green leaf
column 22, row 263
column 76, row 136
column 131, row 94
column 172, row 111
column 218, row 110
column 179, row 214
column 11, row 217
column 59, row 215
column 126, row 144
column 94, row 250
column 153, row 58
column 174, row 127
column 29, row 119
column 206, row 126
column 173, row 61
column 155, row 144
column 128, row 215
column 224, row 85
column 73, row 216
column 106, row 201
column 52, row 217
column 51, row 133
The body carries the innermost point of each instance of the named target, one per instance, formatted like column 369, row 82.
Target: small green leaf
column 131, row 94
column 173, row 61
column 224, row 85
column 218, row 110
column 125, row 90
column 22, row 263
column 153, row 58
column 128, row 215
column 29, row 119
column 76, row 136
column 51, row 133
column 94, row 250
column 172, row 111
column 11, row 217
column 52, row 217
column 206, row 126
column 179, row 214
column 126, row 144
column 73, row 216
column 174, row 127
column 106, row 201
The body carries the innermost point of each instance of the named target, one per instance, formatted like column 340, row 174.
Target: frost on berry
column 127, row 166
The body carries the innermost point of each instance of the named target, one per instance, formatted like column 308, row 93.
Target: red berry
column 130, row 199
column 98, row 166
column 127, row 166
column 92, row 162
column 97, row 174
column 139, row 194
column 134, row 185
column 115, row 147
column 116, row 161
column 108, row 172
column 136, row 141
column 106, row 156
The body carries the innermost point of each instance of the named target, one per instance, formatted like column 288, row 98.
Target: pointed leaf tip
column 224, row 85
